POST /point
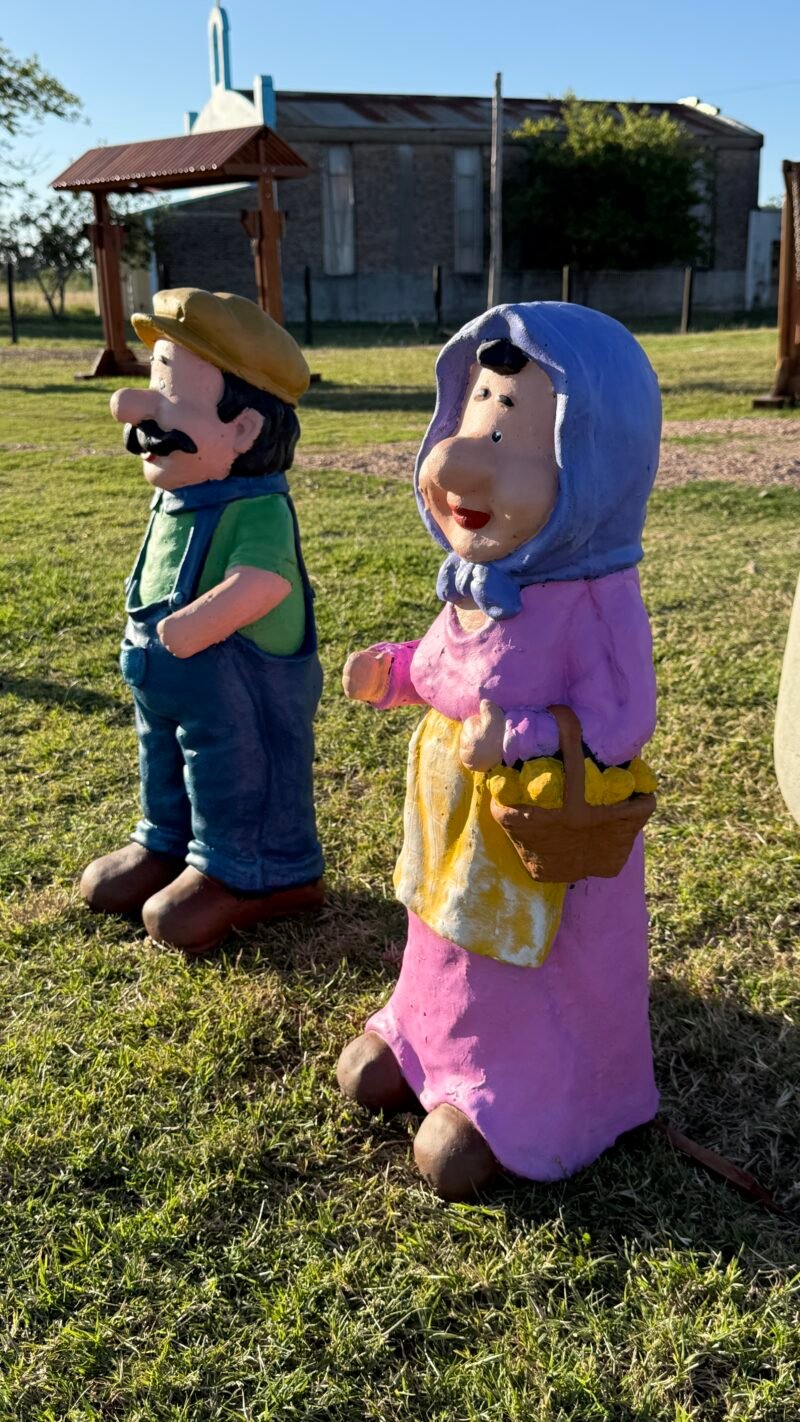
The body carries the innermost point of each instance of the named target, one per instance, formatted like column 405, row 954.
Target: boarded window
column 338, row 220
column 468, row 205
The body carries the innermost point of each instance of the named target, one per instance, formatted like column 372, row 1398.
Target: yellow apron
column 458, row 871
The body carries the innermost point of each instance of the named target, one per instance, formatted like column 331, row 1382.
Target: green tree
column 47, row 242
column 605, row 187
column 28, row 94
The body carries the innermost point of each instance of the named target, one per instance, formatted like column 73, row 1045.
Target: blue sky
column 137, row 67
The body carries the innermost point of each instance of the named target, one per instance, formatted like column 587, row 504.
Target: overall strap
column 132, row 580
column 198, row 544
column 310, row 639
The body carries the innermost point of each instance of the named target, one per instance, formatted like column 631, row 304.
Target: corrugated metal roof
column 224, row 156
column 301, row 109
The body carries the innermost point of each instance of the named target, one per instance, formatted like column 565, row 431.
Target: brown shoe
column 195, row 913
column 368, row 1072
column 121, row 882
column 452, row 1155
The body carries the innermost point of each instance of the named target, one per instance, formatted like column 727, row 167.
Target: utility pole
column 496, row 195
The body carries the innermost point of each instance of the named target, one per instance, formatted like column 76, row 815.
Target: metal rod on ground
column 686, row 304
column 496, row 195
column 437, row 294
column 309, row 315
column 566, row 283
column 12, row 305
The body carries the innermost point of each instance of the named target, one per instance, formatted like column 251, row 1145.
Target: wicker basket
column 579, row 841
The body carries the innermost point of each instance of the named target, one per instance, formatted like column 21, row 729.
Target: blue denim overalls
column 225, row 737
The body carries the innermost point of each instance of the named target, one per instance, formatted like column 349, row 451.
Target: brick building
column 399, row 183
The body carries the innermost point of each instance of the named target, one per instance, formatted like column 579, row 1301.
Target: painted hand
column 366, row 675
column 177, row 636
column 481, row 745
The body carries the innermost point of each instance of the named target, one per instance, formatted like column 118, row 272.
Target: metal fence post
column 686, row 303
column 12, row 305
column 437, row 294
column 309, row 314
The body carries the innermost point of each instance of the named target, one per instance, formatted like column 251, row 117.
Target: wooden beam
column 107, row 238
column 786, row 385
column 264, row 227
column 249, row 173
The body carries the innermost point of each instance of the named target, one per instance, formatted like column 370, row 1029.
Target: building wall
column 203, row 243
column 735, row 194
column 403, row 209
column 409, row 297
column 763, row 256
column 404, row 225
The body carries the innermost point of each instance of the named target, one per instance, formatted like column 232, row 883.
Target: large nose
column 130, row 407
column 459, row 464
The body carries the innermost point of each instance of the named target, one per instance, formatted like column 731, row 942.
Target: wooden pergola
column 786, row 385
column 233, row 155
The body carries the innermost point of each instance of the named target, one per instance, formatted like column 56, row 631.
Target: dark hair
column 272, row 451
column 502, row 356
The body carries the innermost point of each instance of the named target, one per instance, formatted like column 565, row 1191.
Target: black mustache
column 149, row 438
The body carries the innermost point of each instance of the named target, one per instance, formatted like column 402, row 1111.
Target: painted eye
column 482, row 394
column 496, row 436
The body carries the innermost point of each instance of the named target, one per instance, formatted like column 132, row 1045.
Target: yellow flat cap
column 232, row 333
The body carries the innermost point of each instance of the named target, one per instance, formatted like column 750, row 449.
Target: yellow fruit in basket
column 618, row 785
column 543, row 782
column 504, row 785
column 592, row 783
column 606, row 787
column 645, row 782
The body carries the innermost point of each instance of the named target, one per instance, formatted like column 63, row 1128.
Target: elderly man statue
column 220, row 646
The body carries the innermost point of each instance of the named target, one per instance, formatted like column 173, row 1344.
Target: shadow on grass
column 363, row 931
column 82, row 326
column 718, row 387
column 52, row 693
column 360, row 398
column 723, row 1071
column 704, row 321
column 75, row 387
column 725, row 1074
column 367, row 335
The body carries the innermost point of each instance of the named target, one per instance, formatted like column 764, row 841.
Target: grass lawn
column 194, row 1225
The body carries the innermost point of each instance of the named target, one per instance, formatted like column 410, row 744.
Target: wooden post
column 787, row 380
column 309, row 313
column 566, row 282
column 107, row 242
column 107, row 238
column 785, row 278
column 437, row 295
column 686, row 302
column 786, row 384
column 496, row 195
column 12, row 305
column 266, row 241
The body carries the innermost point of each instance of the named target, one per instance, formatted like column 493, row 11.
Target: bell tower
column 228, row 107
column 219, row 49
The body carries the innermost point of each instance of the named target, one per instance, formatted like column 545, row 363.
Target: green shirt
column 252, row 533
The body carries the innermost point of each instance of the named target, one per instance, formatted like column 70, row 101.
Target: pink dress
column 552, row 1062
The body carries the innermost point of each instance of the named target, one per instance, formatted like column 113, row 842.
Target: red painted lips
column 470, row 518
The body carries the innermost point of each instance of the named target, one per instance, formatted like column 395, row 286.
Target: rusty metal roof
column 376, row 115
column 199, row 159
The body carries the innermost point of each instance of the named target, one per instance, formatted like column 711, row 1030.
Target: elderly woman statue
column 519, row 1022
